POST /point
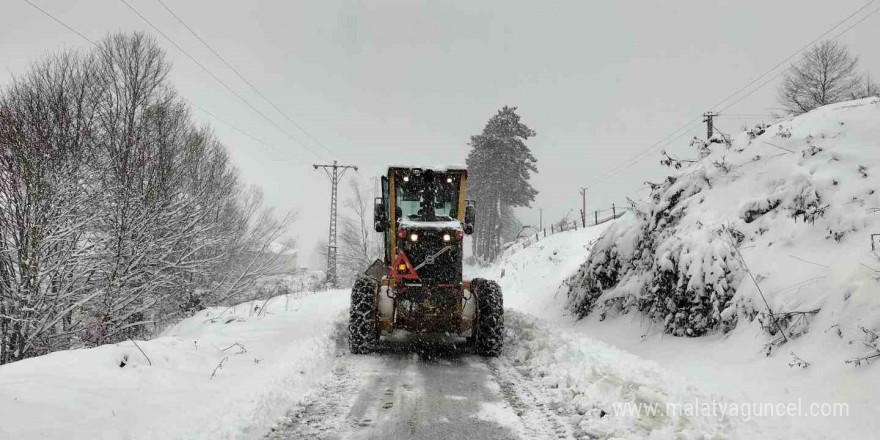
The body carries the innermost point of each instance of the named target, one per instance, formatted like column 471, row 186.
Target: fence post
column 545, row 232
column 551, row 229
column 536, row 237
column 596, row 213
column 613, row 211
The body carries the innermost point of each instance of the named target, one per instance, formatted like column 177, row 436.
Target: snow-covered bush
column 771, row 225
column 686, row 282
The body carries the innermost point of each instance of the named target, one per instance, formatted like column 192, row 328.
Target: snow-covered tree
column 47, row 121
column 499, row 167
column 117, row 213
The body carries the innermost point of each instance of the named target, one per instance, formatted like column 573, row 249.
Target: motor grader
column 418, row 287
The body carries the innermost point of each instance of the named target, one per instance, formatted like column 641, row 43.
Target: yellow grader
column 418, row 287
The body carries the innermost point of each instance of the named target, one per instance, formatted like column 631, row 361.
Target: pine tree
column 499, row 166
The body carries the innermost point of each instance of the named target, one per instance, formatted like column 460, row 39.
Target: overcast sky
column 382, row 82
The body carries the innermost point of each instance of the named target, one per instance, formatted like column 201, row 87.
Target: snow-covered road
column 281, row 369
column 422, row 390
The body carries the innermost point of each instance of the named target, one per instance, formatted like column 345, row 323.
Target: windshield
column 427, row 197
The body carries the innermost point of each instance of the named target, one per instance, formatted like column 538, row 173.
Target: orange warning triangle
column 408, row 274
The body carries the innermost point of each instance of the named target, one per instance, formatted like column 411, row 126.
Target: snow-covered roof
column 440, row 168
column 417, row 224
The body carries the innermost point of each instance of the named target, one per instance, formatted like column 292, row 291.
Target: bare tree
column 250, row 255
column 359, row 244
column 117, row 213
column 868, row 88
column 46, row 130
column 827, row 73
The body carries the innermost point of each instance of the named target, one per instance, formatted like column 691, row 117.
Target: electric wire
column 245, row 133
column 220, row 81
column 794, row 54
column 182, row 97
column 60, row 22
column 662, row 143
column 242, row 77
column 782, row 72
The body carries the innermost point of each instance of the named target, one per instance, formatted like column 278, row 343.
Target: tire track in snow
column 326, row 409
column 541, row 417
column 422, row 392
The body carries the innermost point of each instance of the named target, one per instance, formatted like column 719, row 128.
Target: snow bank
column 609, row 393
column 270, row 357
column 791, row 206
column 720, row 368
column 529, row 276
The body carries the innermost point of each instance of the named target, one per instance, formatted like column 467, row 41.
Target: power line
column 782, row 72
column 254, row 138
column 254, row 88
column 60, row 22
column 794, row 54
column 263, row 115
column 642, row 154
column 181, row 97
column 639, row 156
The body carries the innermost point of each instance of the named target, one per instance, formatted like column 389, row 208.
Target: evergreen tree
column 499, row 166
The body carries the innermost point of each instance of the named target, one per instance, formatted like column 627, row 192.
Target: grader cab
column 418, row 287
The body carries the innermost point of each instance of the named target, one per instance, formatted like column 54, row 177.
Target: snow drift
column 223, row 373
column 773, row 225
column 592, row 370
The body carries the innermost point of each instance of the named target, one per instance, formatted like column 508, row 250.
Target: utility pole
column 334, row 172
column 710, row 124
column 540, row 218
column 584, row 206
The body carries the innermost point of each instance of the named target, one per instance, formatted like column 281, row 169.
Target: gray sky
column 382, row 82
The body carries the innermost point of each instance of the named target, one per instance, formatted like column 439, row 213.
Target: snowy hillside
column 587, row 377
column 773, row 225
column 718, row 369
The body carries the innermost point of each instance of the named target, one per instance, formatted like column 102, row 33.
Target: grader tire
column 363, row 325
column 490, row 317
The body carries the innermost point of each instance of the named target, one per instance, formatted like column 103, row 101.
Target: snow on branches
column 117, row 212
